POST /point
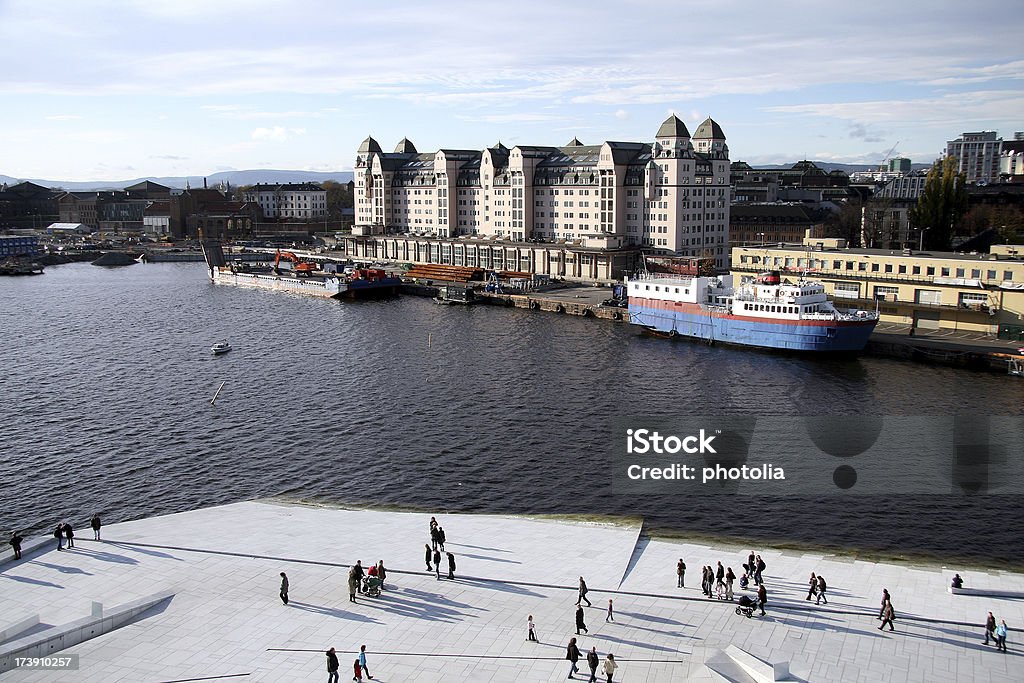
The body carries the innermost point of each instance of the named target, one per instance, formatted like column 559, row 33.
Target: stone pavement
column 226, row 622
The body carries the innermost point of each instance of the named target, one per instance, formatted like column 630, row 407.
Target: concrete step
column 757, row 668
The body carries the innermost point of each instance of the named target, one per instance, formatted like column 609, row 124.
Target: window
column 975, row 300
column 886, row 293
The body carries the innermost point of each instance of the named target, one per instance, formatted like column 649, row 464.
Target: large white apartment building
column 290, row 200
column 977, row 155
column 671, row 195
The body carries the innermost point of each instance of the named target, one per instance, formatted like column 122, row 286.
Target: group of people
column 358, row 578
column 434, row 550
column 996, row 632
column 717, row 582
column 358, row 666
column 816, row 588
column 62, row 532
column 573, row 655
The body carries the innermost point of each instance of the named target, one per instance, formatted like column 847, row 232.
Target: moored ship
column 303, row 277
column 765, row 312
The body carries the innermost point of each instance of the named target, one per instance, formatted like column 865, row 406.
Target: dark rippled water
column 107, row 378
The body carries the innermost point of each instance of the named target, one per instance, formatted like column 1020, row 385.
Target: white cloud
column 276, row 134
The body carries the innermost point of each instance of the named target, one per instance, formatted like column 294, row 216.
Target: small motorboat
column 220, row 347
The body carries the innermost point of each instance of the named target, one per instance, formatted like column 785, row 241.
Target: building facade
column 290, row 200
column 670, row 196
column 927, row 290
column 771, row 223
column 977, row 156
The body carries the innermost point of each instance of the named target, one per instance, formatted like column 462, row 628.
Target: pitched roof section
column 709, row 129
column 369, row 145
column 404, row 146
column 673, row 128
column 575, row 142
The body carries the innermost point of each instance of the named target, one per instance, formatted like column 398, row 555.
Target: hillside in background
column 236, row 178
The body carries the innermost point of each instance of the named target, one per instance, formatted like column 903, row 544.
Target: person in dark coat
column 437, row 563
column 95, row 524
column 284, row 588
column 720, row 577
column 381, row 573
column 440, row 537
column 360, row 573
column 681, row 573
column 821, row 590
column 812, row 584
column 885, row 599
column 427, row 555
column 592, row 661
column 580, row 626
column 451, row 565
column 572, row 653
column 583, row 593
column 759, row 567
column 58, row 533
column 15, row 542
column 990, row 627
column 69, row 534
column 762, row 597
column 332, row 666
column 434, row 538
column 749, row 566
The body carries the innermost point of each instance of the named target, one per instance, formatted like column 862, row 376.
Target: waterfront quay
column 211, row 578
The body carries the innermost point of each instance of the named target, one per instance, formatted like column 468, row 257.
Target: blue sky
column 113, row 90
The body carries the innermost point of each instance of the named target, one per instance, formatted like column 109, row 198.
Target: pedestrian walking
column 580, row 626
column 711, row 581
column 58, row 533
column 1001, row 636
column 15, row 542
column 427, row 555
column 762, row 597
column 729, row 578
column 451, row 565
column 69, row 534
column 433, row 536
column 681, row 573
column 704, row 580
column 720, row 577
column 749, row 566
column 332, row 666
column 353, row 584
column 885, row 599
column 284, row 588
column 437, row 563
column 362, row 661
column 610, row 666
column 821, row 590
column 888, row 614
column 357, row 672
column 812, row 586
column 531, row 633
column 440, row 538
column 990, row 628
column 95, row 523
column 593, row 661
column 572, row 653
column 381, row 573
column 611, row 615
column 759, row 568
column 583, row 593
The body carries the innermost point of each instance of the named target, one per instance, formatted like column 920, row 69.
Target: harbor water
column 108, row 375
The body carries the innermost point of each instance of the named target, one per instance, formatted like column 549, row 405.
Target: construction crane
column 885, row 162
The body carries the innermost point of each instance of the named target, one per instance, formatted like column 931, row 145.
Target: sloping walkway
column 226, row 618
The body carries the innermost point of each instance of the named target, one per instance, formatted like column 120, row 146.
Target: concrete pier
column 221, row 566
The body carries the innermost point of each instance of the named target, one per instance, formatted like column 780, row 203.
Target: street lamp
column 921, row 244
column 761, row 235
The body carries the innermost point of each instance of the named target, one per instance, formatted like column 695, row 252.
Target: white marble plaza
column 226, row 622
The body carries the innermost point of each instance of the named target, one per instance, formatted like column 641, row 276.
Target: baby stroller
column 746, row 606
column 371, row 586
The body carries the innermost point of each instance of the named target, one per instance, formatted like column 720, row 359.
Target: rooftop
column 221, row 566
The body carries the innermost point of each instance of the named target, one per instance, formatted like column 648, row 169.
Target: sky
column 109, row 90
